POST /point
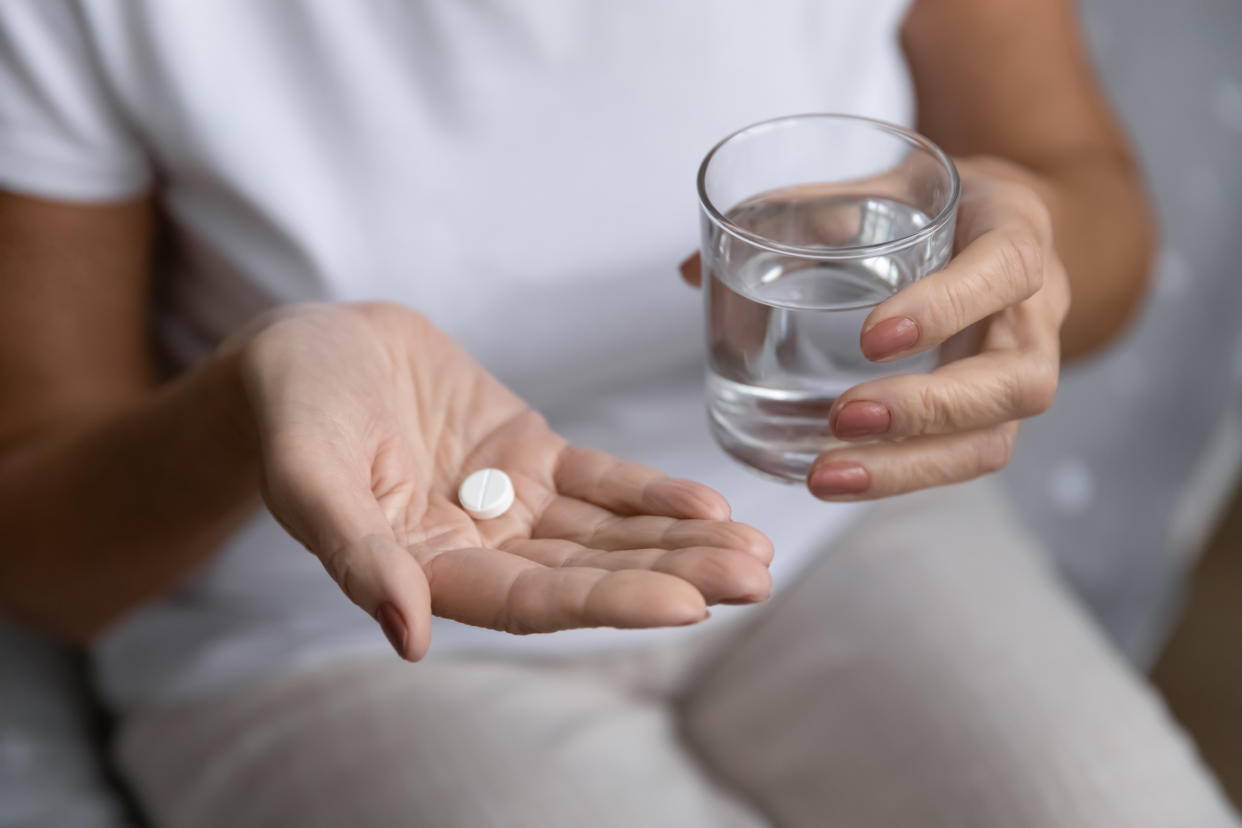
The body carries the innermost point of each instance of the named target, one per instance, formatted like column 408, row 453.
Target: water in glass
column 783, row 330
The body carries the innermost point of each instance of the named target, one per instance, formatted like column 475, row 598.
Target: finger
column 381, row 577
column 503, row 591
column 1000, row 268
column 720, row 574
column 884, row 469
column 632, row 489
column 692, row 270
column 593, row 526
column 337, row 518
column 984, row 390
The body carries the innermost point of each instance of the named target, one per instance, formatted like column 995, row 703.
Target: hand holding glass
column 808, row 222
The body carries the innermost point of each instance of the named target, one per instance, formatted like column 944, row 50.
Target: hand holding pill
column 422, row 483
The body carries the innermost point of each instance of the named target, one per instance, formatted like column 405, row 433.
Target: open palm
column 369, row 418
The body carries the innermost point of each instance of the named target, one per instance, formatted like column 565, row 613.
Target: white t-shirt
column 521, row 173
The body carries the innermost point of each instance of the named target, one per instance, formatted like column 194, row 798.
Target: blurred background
column 1131, row 478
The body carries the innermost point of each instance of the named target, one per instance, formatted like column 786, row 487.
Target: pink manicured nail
column 892, row 336
column 860, row 418
column 691, row 270
column 838, row 478
column 394, row 627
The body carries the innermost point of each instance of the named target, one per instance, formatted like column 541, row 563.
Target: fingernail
column 892, row 336
column 860, row 418
column 691, row 270
column 838, row 478
column 394, row 627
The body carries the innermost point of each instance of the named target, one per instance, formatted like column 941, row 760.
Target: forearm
column 1011, row 79
column 101, row 512
column 1103, row 234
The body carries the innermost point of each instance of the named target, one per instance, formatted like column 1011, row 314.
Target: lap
column 930, row 669
column 446, row 742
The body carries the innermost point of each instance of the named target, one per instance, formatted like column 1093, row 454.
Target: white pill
column 486, row 494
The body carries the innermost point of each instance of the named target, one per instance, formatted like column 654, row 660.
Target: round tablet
column 486, row 494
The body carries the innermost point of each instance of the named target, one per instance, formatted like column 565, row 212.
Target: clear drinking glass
column 808, row 221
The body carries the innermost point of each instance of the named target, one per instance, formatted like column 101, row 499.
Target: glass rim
column 846, row 251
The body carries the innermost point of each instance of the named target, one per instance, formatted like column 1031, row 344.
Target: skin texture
column 354, row 423
column 368, row 418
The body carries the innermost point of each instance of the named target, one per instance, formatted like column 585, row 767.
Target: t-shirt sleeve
column 61, row 133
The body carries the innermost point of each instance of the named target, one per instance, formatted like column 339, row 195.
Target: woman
column 511, row 182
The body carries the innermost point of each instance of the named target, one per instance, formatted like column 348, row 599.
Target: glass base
column 784, row 464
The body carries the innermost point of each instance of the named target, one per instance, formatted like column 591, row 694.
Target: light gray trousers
column 927, row 671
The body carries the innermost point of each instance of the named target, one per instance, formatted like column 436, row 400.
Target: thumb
column 336, row 516
column 384, row 579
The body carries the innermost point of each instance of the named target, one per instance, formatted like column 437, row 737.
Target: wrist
column 215, row 394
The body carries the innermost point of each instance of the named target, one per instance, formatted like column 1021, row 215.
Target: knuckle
column 996, row 449
column 508, row 617
column 1035, row 209
column 381, row 311
column 927, row 411
column 520, row 613
column 1022, row 260
column 1022, row 198
column 1062, row 296
column 1040, row 389
column 750, row 541
column 952, row 313
column 1039, row 398
column 338, row 564
column 1011, row 397
column 744, row 577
